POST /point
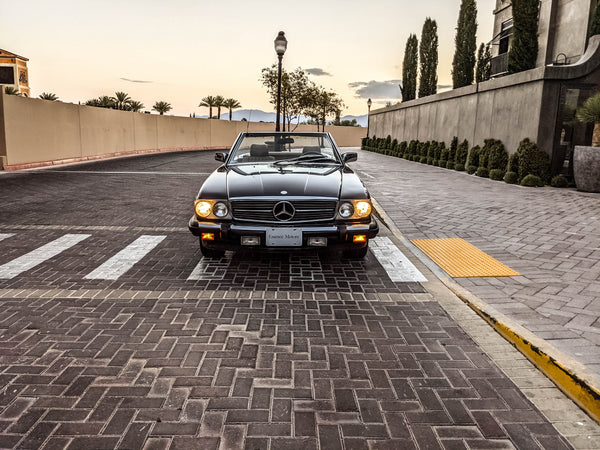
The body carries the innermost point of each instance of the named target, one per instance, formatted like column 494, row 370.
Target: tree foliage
column 162, row 107
column 409, row 68
column 590, row 110
column 428, row 55
column 49, row 96
column 463, row 63
column 9, row 90
column 483, row 71
column 121, row 101
column 524, row 50
column 231, row 104
column 209, row 101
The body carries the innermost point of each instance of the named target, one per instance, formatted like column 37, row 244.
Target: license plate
column 284, row 237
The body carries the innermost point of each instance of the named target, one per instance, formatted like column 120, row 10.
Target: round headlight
column 346, row 210
column 363, row 209
column 202, row 208
column 220, row 209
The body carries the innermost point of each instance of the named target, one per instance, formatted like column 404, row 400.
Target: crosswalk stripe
column 210, row 269
column 36, row 257
column 6, row 235
column 120, row 263
column 396, row 264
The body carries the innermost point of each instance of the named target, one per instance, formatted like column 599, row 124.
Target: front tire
column 211, row 252
column 356, row 253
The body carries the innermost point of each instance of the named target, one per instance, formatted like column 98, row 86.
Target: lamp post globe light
column 369, row 103
column 280, row 48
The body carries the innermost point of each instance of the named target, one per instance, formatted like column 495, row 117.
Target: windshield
column 282, row 149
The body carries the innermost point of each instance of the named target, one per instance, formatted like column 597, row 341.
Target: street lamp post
column 280, row 48
column 369, row 103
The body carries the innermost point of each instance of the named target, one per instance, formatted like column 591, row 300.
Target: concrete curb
column 570, row 376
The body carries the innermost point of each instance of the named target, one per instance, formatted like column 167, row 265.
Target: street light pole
column 280, row 48
column 369, row 103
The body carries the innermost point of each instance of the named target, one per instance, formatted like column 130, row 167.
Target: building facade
column 538, row 104
column 14, row 73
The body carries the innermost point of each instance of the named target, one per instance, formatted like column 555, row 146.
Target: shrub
column 443, row 154
column 363, row 142
column 483, row 172
column 436, row 162
column 431, row 150
column 497, row 174
column 412, row 147
column 462, row 152
column 430, row 160
column 450, row 165
column 471, row 169
column 533, row 161
column 388, row 142
column 459, row 167
column 473, row 159
column 513, row 163
column 559, row 181
column 423, row 159
column 511, row 177
column 402, row 148
column 453, row 149
column 532, row 181
column 438, row 150
column 497, row 155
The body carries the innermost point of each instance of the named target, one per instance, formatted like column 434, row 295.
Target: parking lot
column 115, row 332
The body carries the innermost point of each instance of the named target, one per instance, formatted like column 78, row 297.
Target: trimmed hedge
column 559, row 181
column 496, row 174
column 511, row 177
column 483, row 172
column 533, row 161
column 532, row 181
column 462, row 152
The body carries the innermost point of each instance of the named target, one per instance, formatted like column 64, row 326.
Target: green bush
column 532, row 181
column 402, row 149
column 453, row 149
column 459, row 167
column 497, row 174
column 559, row 181
column 462, row 152
column 511, row 177
column 450, row 165
column 423, row 159
column 473, row 159
column 483, row 172
column 436, row 162
column 533, row 161
column 363, row 142
column 388, row 142
column 443, row 154
column 471, row 169
column 497, row 155
column 513, row 163
column 412, row 147
column 430, row 160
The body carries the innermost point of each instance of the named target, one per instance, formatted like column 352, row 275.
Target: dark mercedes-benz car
column 283, row 191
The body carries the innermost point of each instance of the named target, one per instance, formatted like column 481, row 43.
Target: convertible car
column 283, row 191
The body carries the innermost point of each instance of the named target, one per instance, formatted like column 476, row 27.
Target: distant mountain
column 256, row 115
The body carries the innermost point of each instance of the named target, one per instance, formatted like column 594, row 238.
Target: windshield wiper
column 307, row 158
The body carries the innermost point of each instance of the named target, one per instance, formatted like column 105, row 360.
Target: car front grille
column 262, row 211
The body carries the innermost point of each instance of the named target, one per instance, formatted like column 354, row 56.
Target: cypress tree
column 464, row 54
column 409, row 69
column 524, row 50
column 483, row 72
column 428, row 53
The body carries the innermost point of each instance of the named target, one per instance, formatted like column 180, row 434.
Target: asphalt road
column 115, row 332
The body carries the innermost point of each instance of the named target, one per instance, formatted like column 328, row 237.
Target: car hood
column 294, row 184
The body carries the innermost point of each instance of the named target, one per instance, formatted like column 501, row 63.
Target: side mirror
column 221, row 156
column 349, row 157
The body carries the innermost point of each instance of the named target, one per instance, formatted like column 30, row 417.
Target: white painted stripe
column 5, row 235
column 395, row 263
column 36, row 257
column 120, row 263
column 210, row 269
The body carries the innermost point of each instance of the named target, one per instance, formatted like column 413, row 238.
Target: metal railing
column 500, row 64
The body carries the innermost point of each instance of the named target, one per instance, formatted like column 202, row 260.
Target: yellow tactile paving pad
column 461, row 260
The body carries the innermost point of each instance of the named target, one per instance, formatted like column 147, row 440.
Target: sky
column 180, row 51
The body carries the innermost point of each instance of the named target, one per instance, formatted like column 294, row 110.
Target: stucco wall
column 508, row 109
column 34, row 131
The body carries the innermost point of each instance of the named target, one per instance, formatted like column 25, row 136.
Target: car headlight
column 203, row 208
column 355, row 209
column 220, row 209
column 346, row 210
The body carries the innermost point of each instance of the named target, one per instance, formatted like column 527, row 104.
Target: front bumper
column 227, row 236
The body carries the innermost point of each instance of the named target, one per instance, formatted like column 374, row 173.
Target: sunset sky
column 182, row 50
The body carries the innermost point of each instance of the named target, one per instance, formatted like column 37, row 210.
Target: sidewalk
column 551, row 237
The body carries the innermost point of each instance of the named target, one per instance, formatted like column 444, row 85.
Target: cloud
column 376, row 89
column 136, row 81
column 317, row 72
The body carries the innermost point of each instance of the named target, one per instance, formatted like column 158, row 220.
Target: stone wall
column 36, row 132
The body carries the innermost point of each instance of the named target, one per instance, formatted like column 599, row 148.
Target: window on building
column 7, row 75
column 505, row 36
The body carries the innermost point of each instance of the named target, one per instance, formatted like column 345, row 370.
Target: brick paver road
column 253, row 351
column 550, row 236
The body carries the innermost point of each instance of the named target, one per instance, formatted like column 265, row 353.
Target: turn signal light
column 208, row 236
column 358, row 238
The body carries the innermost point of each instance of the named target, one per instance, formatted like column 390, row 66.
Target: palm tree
column 162, row 107
column 48, row 96
column 209, row 102
column 121, row 100
column 135, row 106
column 232, row 104
column 9, row 90
column 219, row 100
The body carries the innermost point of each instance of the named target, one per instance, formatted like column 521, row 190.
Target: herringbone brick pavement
column 255, row 370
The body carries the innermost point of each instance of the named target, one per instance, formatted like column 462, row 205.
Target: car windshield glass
column 284, row 149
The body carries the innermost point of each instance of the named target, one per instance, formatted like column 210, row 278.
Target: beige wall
column 34, row 131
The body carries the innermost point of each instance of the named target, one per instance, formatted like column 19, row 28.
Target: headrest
column 259, row 150
column 312, row 149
